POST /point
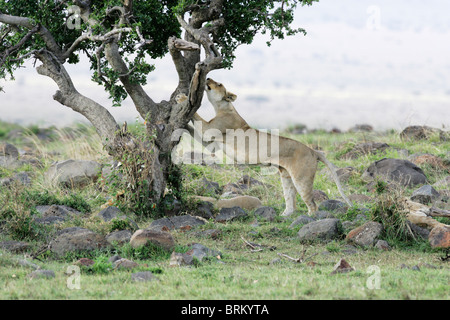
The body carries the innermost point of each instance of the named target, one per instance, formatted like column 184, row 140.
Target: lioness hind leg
column 304, row 185
column 289, row 192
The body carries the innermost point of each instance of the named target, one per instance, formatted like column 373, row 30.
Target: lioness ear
column 230, row 97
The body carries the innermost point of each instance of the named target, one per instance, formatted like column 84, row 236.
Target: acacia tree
column 119, row 37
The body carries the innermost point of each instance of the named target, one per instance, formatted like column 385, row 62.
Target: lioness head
column 216, row 92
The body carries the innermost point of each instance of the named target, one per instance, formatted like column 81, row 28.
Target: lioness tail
column 331, row 167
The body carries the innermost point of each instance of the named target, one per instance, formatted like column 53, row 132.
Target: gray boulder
column 326, row 229
column 77, row 239
column 230, row 214
column 119, row 237
column 160, row 238
column 74, row 173
column 425, row 195
column 266, row 213
column 109, row 213
column 399, row 171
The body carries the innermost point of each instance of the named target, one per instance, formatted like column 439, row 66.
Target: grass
column 239, row 274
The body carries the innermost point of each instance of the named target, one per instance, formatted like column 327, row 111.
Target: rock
column 366, row 148
column 180, row 259
column 124, row 264
column 197, row 252
column 14, row 246
column 266, row 213
column 342, row 267
column 229, row 214
column 160, row 238
column 55, row 214
column 301, row 220
column 39, row 274
column 399, row 171
column 76, row 240
column 418, row 231
column 319, row 215
column 119, row 237
column 333, row 205
column 440, row 237
column 245, row 202
column 109, row 213
column 366, row 234
column 86, row 262
column 383, row 245
column 210, row 187
column 27, row 264
column 8, row 150
column 74, row 173
column 425, row 195
column 205, row 210
column 172, row 207
column 422, row 132
column 200, row 252
column 114, row 258
column 177, row 222
column 9, row 162
column 143, row 276
column 210, row 233
column 326, row 229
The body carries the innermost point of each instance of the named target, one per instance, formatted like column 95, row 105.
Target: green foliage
column 119, row 224
column 155, row 20
column 246, row 18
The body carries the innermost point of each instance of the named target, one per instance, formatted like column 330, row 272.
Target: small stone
column 229, row 214
column 425, row 195
column 342, row 267
column 41, row 274
column 143, row 276
column 109, row 213
column 383, row 245
column 124, row 264
column 160, row 238
column 85, row 262
column 366, row 234
column 266, row 213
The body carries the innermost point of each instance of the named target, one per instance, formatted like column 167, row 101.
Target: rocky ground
column 69, row 230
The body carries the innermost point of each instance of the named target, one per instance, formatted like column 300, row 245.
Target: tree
column 118, row 37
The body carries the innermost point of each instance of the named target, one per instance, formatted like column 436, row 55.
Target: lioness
column 296, row 162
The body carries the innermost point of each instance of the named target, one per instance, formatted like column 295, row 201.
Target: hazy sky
column 385, row 63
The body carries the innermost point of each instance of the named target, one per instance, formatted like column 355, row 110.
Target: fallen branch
column 421, row 215
column 254, row 248
column 300, row 259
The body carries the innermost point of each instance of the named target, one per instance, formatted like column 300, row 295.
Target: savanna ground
column 239, row 273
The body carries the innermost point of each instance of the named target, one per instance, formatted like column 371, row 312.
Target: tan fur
column 296, row 162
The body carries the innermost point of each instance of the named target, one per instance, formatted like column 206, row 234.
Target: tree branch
column 43, row 32
column 67, row 95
